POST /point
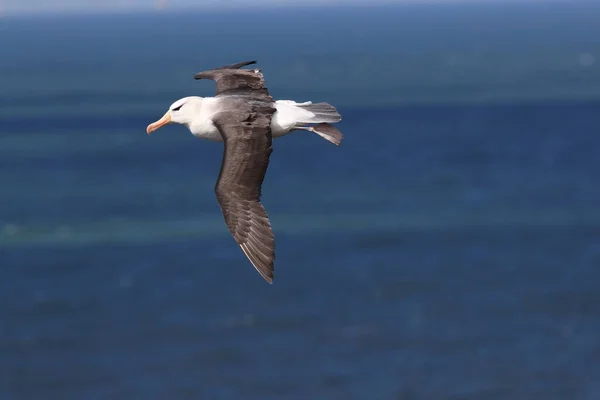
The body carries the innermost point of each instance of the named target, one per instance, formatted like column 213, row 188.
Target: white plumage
column 247, row 118
column 196, row 113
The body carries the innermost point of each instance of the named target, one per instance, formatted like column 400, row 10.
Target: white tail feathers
column 291, row 116
column 322, row 112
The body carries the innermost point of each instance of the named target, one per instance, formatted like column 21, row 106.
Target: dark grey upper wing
column 247, row 146
column 231, row 79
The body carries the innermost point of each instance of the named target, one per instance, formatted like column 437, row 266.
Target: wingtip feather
column 268, row 273
column 200, row 75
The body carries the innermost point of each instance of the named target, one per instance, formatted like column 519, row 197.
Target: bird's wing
column 231, row 80
column 247, row 146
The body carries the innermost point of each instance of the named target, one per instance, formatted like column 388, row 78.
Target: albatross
column 245, row 117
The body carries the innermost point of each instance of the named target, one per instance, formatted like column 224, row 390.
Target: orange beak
column 165, row 120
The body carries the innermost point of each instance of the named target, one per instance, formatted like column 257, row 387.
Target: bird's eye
column 177, row 108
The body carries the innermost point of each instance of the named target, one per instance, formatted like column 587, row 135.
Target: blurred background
column 449, row 249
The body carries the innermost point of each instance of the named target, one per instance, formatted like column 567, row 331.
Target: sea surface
column 448, row 249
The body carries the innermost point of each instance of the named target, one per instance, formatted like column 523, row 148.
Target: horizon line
column 160, row 6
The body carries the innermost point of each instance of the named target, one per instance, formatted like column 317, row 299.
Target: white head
column 183, row 111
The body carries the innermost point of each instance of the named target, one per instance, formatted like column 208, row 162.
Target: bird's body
column 246, row 118
column 289, row 115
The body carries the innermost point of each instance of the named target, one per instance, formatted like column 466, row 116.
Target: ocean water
column 449, row 249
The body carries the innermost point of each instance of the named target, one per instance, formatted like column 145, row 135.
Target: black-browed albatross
column 245, row 117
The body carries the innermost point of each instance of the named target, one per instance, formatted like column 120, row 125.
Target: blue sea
column 448, row 249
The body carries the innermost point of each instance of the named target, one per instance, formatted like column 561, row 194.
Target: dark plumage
column 234, row 81
column 245, row 127
column 244, row 116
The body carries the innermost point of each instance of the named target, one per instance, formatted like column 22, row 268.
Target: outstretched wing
column 231, row 80
column 247, row 146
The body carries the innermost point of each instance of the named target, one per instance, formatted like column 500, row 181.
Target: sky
column 90, row 6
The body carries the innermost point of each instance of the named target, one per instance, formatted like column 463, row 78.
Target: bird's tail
column 326, row 131
column 312, row 117
column 322, row 112
column 329, row 133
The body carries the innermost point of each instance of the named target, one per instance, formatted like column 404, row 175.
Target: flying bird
column 244, row 116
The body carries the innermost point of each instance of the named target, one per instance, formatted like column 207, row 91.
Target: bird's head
column 183, row 111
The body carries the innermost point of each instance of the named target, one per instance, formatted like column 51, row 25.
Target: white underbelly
column 206, row 130
column 284, row 120
column 215, row 136
column 287, row 117
column 279, row 127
